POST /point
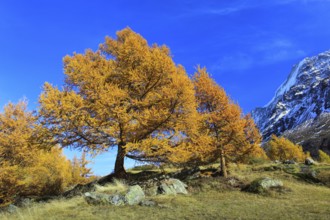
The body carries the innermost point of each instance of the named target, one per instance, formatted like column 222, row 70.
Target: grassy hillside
column 210, row 198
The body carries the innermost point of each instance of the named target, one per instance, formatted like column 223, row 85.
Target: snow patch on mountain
column 303, row 96
column 288, row 83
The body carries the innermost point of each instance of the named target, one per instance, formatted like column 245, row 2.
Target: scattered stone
column 264, row 184
column 233, row 182
column 273, row 168
column 289, row 162
column 96, row 198
column 147, row 203
column 308, row 174
column 166, row 190
column 309, row 161
column 194, row 176
column 24, row 202
column 80, row 189
column 172, row 187
column 134, row 195
column 152, row 190
column 117, row 200
column 11, row 208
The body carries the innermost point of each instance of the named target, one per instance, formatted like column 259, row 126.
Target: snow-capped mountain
column 303, row 97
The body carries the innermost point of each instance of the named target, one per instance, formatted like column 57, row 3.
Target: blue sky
column 248, row 46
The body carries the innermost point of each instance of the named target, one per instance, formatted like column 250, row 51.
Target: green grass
column 212, row 200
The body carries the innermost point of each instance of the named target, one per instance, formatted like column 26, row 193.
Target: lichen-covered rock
column 308, row 174
column 24, row 202
column 166, row 189
column 134, row 195
column 117, row 200
column 152, row 190
column 309, row 161
column 289, row 162
column 97, row 198
column 172, row 187
column 10, row 209
column 147, row 203
column 80, row 189
column 262, row 185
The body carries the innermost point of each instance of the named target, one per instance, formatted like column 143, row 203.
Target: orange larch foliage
column 127, row 94
column 233, row 137
column 324, row 157
column 25, row 169
column 280, row 148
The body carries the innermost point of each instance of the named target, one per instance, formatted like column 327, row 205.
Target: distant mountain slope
column 302, row 98
column 313, row 134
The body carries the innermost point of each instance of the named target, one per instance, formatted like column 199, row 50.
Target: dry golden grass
column 117, row 186
column 305, row 201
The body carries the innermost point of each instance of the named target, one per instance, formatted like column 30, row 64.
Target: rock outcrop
column 263, row 185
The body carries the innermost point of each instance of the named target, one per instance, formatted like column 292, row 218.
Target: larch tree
column 280, row 148
column 232, row 136
column 128, row 95
column 85, row 171
column 324, row 157
column 248, row 145
column 26, row 169
column 81, row 174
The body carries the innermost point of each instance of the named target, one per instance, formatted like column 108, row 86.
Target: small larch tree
column 248, row 145
column 233, row 137
column 324, row 157
column 81, row 174
column 280, row 148
column 26, row 169
column 128, row 95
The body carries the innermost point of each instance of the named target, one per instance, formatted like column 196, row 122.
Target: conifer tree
column 127, row 95
column 80, row 172
column 85, row 171
column 324, row 157
column 248, row 145
column 25, row 168
column 232, row 136
column 280, row 148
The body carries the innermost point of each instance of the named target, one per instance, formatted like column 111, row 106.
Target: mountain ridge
column 304, row 96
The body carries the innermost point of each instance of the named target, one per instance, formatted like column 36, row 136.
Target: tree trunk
column 223, row 167
column 120, row 171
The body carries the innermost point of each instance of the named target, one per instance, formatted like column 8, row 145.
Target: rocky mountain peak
column 305, row 95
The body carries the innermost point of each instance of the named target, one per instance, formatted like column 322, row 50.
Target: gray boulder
column 117, row 200
column 93, row 198
column 9, row 208
column 166, row 189
column 289, row 162
column 147, row 203
column 308, row 174
column 134, row 195
column 24, row 202
column 309, row 161
column 264, row 184
column 172, row 187
column 151, row 190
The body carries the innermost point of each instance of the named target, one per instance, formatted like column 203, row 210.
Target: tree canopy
column 25, row 168
column 280, row 148
column 233, row 137
column 126, row 94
